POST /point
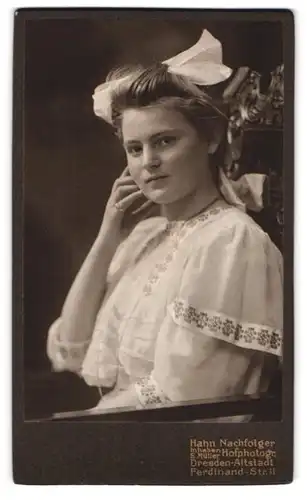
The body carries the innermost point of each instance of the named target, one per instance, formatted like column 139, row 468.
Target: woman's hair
column 155, row 85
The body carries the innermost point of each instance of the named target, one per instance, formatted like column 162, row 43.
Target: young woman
column 185, row 305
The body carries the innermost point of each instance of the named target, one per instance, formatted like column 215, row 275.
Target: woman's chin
column 161, row 196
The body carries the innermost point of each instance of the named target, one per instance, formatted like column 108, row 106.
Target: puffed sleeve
column 64, row 355
column 222, row 332
column 67, row 355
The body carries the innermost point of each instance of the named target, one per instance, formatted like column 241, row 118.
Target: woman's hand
column 126, row 398
column 126, row 205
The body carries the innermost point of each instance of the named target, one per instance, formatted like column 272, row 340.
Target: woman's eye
column 134, row 150
column 166, row 141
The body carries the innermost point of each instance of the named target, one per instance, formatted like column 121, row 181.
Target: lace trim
column 149, row 393
column 100, row 365
column 243, row 334
column 177, row 231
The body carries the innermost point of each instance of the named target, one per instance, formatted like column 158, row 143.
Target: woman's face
column 166, row 157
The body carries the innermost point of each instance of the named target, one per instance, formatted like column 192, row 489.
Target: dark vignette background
column 71, row 158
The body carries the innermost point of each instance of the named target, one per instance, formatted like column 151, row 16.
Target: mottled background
column 71, row 158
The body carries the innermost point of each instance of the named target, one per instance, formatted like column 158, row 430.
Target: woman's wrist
column 105, row 245
column 109, row 234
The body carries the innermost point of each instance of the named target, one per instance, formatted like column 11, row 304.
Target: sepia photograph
column 153, row 219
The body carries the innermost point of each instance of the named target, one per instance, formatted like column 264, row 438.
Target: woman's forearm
column 84, row 298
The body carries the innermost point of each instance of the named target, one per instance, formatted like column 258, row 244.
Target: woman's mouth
column 155, row 178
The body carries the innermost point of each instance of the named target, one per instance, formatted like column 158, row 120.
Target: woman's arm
column 84, row 298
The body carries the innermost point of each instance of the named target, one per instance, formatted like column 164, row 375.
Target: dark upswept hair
column 155, row 85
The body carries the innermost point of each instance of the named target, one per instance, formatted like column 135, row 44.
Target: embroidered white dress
column 193, row 310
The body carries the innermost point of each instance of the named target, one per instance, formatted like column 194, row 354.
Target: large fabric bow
column 201, row 64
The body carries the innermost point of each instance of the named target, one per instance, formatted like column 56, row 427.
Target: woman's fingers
column 123, row 181
column 125, row 203
column 123, row 191
column 125, row 172
column 124, row 175
column 143, row 207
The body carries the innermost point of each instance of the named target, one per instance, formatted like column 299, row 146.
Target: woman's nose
column 150, row 158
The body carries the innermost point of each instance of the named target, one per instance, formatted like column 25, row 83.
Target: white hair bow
column 246, row 193
column 201, row 64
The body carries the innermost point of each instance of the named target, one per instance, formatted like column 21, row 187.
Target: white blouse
column 193, row 310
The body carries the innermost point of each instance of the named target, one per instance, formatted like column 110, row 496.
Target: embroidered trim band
column 248, row 335
column 149, row 393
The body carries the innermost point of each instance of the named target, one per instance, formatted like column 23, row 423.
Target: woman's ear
column 213, row 146
column 217, row 134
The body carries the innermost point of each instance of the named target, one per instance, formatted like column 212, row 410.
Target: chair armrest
column 264, row 407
